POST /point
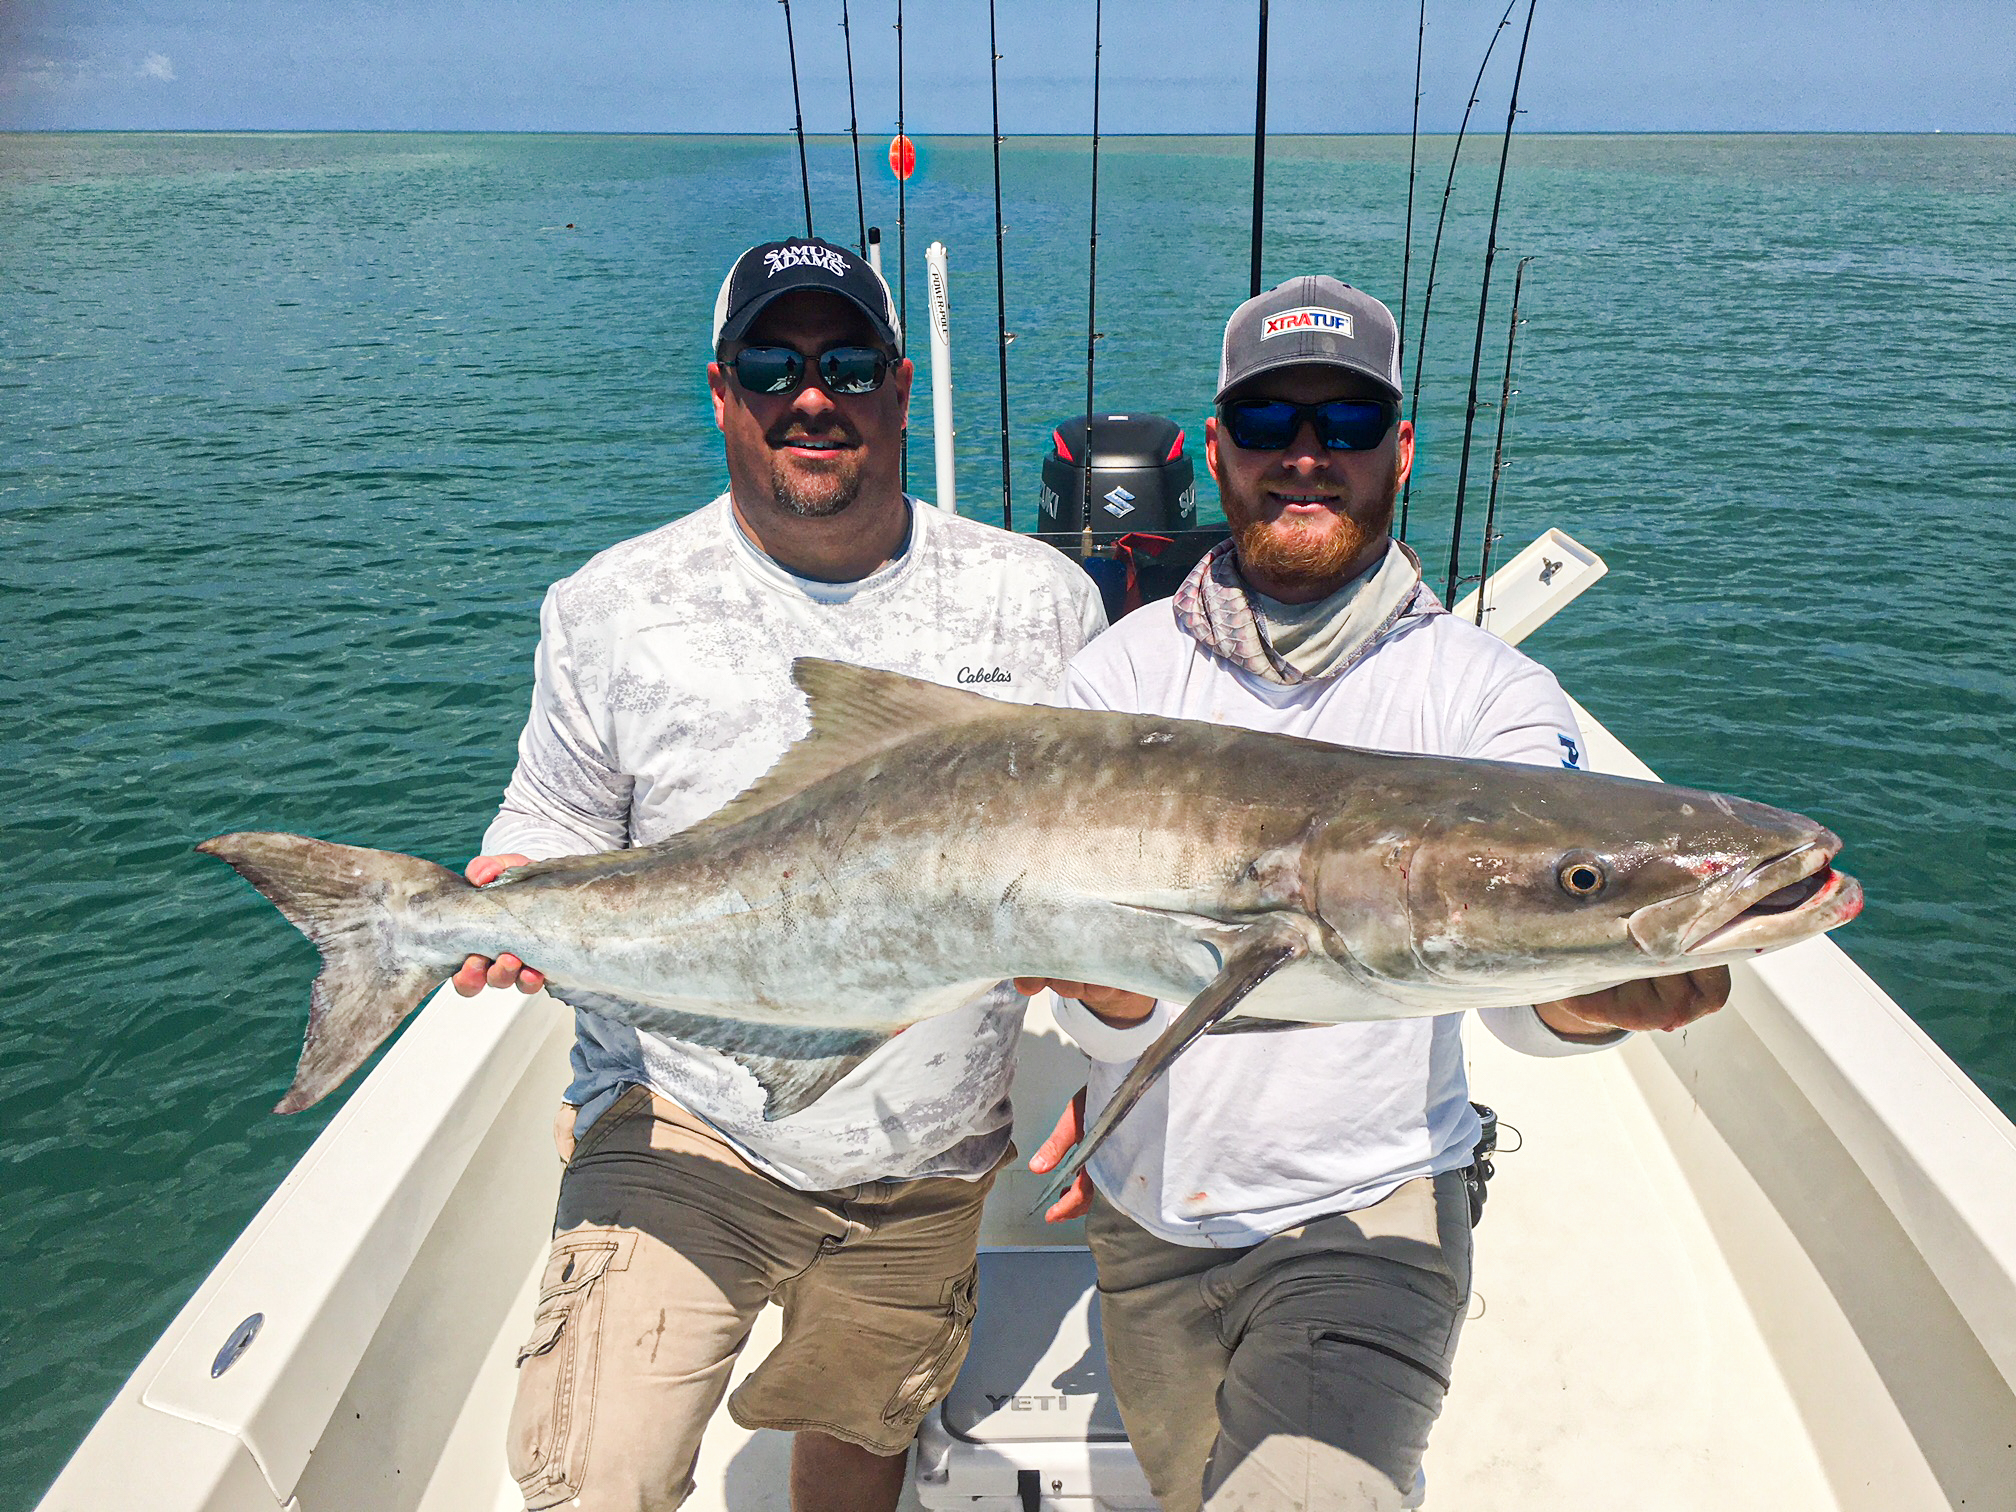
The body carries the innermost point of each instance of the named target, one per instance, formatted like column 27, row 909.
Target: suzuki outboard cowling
column 1142, row 479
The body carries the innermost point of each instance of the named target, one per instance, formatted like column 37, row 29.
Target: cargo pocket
column 554, row 1414
column 1364, row 1356
column 1375, row 1399
column 931, row 1377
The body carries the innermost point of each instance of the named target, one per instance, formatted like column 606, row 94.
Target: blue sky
column 1170, row 65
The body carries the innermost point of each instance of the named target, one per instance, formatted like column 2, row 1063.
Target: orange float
column 902, row 157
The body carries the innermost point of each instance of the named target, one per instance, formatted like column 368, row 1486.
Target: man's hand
column 1667, row 1002
column 479, row 972
column 1077, row 1199
column 1110, row 1005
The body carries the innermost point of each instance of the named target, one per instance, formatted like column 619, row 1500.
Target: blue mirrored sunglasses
column 1341, row 424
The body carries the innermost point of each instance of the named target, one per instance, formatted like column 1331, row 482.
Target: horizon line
column 845, row 137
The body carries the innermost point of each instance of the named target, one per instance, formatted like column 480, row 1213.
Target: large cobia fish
column 922, row 843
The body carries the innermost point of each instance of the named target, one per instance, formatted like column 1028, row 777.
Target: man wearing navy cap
column 1282, row 1226
column 662, row 690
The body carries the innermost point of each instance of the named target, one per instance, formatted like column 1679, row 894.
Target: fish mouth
column 1823, row 900
column 1781, row 900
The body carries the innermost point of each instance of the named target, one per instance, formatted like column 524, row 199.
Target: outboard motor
column 1142, row 479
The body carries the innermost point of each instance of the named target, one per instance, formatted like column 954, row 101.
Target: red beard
column 1314, row 553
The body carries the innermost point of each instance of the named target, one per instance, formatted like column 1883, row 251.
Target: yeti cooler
column 1031, row 1422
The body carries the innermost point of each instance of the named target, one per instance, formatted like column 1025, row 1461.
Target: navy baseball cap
column 773, row 269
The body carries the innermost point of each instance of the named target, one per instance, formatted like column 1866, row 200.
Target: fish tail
column 348, row 901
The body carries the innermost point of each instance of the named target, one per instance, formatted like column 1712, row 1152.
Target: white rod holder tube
column 941, row 375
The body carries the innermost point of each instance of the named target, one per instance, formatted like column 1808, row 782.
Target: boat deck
column 1687, row 1293
column 1764, row 1263
column 1613, row 1342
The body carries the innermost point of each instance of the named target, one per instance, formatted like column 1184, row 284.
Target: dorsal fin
column 877, row 709
column 857, row 712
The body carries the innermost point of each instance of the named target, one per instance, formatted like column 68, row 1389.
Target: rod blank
column 1483, row 304
column 798, row 115
column 1259, row 150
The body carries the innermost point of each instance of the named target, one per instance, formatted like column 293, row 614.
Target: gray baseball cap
column 1314, row 319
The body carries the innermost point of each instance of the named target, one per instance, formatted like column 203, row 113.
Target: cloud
column 38, row 73
column 158, row 66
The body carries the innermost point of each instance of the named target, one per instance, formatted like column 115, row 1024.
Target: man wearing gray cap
column 1282, row 1226
column 662, row 689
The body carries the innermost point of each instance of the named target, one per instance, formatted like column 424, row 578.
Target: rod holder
column 941, row 374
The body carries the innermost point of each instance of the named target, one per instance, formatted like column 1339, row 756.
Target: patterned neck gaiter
column 1295, row 643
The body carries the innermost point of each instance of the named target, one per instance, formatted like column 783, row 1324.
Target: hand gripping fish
column 922, row 843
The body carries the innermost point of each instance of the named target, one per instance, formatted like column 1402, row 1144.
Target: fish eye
column 1581, row 875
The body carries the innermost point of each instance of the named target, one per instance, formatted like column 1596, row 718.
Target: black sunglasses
column 779, row 369
column 1341, row 424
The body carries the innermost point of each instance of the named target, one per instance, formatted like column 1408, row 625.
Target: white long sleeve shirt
column 663, row 688
column 1248, row 1135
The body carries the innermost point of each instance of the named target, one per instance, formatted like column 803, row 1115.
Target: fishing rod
column 1259, row 147
column 1000, row 275
column 902, row 190
column 1498, row 451
column 1092, row 289
column 1435, row 256
column 1413, row 142
column 798, row 112
column 1483, row 301
column 854, row 129
column 902, row 227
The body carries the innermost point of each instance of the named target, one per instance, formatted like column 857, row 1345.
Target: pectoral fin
column 794, row 1067
column 1264, row 950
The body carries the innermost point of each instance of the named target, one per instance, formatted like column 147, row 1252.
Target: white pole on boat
column 941, row 374
column 875, row 248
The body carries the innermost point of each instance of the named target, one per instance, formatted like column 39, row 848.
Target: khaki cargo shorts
column 666, row 1246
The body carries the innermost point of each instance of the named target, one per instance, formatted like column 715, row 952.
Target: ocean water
column 295, row 429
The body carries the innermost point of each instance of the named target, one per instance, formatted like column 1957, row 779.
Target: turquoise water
column 294, row 430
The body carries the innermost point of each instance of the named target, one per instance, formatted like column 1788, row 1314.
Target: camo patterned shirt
column 663, row 688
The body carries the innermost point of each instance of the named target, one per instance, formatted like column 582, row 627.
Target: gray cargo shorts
column 1300, row 1375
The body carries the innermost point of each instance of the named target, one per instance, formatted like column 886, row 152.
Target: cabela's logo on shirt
column 970, row 675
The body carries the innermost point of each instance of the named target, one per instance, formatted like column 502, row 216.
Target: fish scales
column 864, row 887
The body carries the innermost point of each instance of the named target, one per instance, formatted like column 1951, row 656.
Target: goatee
column 816, row 493
column 815, row 498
